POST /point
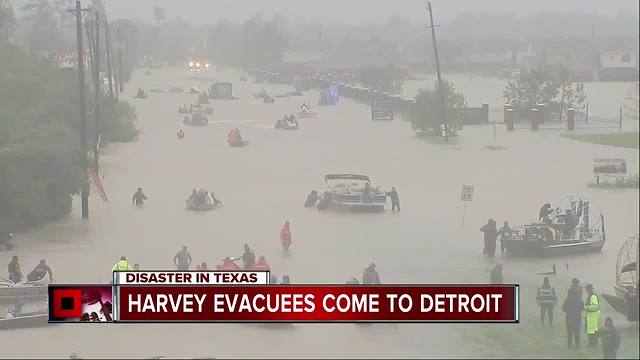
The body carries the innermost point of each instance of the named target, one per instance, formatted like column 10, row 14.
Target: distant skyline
column 357, row 12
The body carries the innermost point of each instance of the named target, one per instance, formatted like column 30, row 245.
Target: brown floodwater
column 266, row 183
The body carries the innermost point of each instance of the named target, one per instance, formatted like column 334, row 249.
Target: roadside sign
column 467, row 193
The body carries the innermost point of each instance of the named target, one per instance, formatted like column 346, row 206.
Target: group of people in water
column 287, row 121
column 491, row 235
column 322, row 202
column 203, row 197
column 574, row 306
column 570, row 221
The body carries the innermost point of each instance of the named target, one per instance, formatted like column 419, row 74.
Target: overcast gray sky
column 351, row 11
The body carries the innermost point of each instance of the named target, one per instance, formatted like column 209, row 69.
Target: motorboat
column 25, row 320
column 207, row 202
column 197, row 119
column 26, row 290
column 349, row 192
column 268, row 99
column 557, row 236
column 625, row 300
column 238, row 143
column 287, row 123
column 195, row 90
column 306, row 112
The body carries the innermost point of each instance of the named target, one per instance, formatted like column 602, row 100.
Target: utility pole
column 77, row 12
column 98, row 90
column 440, row 93
column 108, row 48
column 120, row 50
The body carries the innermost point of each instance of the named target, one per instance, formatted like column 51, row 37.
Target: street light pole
column 440, row 93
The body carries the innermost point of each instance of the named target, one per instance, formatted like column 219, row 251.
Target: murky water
column 264, row 184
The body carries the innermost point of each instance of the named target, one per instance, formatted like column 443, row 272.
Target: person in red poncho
column 262, row 264
column 285, row 236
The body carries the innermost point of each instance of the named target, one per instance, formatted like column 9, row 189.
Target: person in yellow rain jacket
column 593, row 314
column 122, row 265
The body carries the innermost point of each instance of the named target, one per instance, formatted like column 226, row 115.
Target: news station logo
column 80, row 303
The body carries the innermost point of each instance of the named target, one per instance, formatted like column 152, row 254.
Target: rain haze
column 329, row 143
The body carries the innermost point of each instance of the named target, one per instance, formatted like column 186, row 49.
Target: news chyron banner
column 247, row 296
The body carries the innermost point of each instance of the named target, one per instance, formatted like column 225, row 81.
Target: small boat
column 238, row 143
column 268, row 100
column 194, row 90
column 197, row 119
column 28, row 290
column 287, row 124
column 208, row 204
column 625, row 300
column 347, row 192
column 25, row 320
column 306, row 112
column 556, row 238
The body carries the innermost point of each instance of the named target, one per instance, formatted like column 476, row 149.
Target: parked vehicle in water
column 352, row 192
column 575, row 226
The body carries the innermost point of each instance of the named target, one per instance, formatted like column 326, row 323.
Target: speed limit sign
column 467, row 193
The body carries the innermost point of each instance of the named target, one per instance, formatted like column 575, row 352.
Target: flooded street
column 266, row 183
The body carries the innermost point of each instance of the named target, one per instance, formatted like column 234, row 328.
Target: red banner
column 323, row 303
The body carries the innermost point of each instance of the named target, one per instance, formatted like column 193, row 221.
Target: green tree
column 40, row 158
column 39, row 148
column 8, row 23
column 552, row 87
column 42, row 33
column 426, row 114
column 387, row 79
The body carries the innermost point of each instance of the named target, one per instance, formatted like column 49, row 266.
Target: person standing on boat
column 248, row 258
column 546, row 299
column 570, row 223
column 366, row 193
column 182, row 260
column 490, row 238
column 285, row 236
column 395, row 199
column 610, row 339
column 545, row 211
column 15, row 274
column 593, row 315
column 573, row 307
column 139, row 197
column 370, row 275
